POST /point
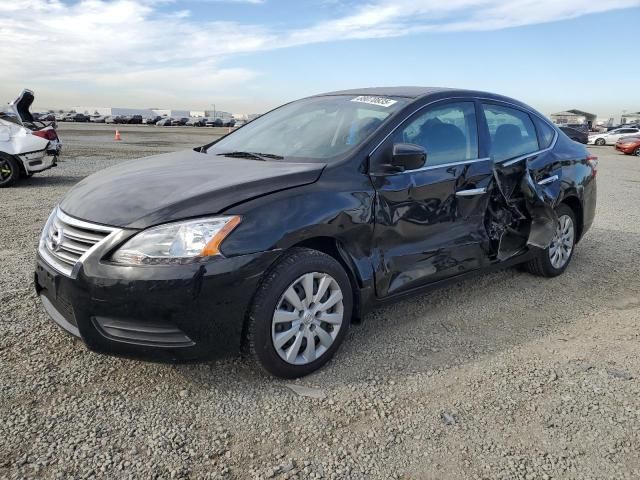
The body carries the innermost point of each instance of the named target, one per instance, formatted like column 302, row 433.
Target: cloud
column 94, row 46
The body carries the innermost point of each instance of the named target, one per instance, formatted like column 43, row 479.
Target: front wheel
column 300, row 314
column 600, row 142
column 636, row 152
column 555, row 259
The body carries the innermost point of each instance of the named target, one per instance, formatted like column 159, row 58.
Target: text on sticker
column 380, row 101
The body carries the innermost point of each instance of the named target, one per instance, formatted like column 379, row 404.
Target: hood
column 174, row 186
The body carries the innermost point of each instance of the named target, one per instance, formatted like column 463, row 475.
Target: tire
column 9, row 171
column 600, row 142
column 636, row 152
column 549, row 263
column 272, row 317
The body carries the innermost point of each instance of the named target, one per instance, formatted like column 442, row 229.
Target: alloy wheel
column 5, row 170
column 637, row 152
column 562, row 243
column 307, row 318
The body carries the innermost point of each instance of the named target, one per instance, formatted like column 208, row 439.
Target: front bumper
column 625, row 150
column 183, row 313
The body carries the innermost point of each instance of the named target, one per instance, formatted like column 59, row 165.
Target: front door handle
column 471, row 192
column 548, row 180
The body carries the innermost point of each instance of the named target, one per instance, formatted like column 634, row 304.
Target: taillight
column 592, row 161
column 46, row 134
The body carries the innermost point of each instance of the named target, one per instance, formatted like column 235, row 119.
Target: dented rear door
column 527, row 180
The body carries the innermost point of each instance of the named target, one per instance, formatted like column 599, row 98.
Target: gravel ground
column 504, row 376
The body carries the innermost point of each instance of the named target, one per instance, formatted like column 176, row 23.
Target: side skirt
column 370, row 302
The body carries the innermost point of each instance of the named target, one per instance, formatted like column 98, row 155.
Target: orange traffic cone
column 117, row 137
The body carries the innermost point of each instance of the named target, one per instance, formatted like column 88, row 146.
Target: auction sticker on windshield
column 380, row 101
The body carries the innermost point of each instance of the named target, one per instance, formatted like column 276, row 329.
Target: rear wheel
column 636, row 152
column 600, row 142
column 300, row 314
column 555, row 259
column 9, row 171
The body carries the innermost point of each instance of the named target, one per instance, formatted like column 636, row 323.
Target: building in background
column 168, row 112
column 633, row 117
column 574, row 117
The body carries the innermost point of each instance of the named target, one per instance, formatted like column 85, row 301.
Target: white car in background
column 27, row 146
column 610, row 138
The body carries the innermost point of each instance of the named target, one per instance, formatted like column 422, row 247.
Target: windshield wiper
column 254, row 155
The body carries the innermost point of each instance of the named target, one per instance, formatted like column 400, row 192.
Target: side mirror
column 408, row 156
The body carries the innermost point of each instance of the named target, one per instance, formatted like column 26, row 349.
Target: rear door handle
column 471, row 192
column 548, row 180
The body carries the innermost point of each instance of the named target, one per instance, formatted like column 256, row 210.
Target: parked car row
column 197, row 122
column 139, row 120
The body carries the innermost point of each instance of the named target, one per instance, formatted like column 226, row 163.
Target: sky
column 247, row 56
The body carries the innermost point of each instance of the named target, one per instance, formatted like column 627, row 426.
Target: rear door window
column 512, row 132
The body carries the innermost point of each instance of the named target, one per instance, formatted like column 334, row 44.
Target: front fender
column 332, row 208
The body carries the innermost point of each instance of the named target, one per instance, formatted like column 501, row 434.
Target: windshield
column 312, row 128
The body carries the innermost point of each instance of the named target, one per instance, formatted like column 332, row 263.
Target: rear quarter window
column 546, row 133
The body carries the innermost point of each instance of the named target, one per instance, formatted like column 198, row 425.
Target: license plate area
column 48, row 284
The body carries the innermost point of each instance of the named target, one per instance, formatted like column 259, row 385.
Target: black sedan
column 576, row 135
column 279, row 235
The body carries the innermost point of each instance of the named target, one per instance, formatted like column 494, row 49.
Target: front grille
column 65, row 240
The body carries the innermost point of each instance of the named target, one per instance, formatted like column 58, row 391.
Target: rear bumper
column 45, row 162
column 187, row 313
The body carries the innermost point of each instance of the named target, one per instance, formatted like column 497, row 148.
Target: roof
column 416, row 93
column 409, row 92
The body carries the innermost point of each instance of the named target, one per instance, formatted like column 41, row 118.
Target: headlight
column 176, row 243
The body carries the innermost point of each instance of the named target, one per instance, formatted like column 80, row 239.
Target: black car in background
column 576, row 135
column 76, row 117
column 196, row 122
column 135, row 120
column 165, row 122
column 279, row 235
column 151, row 121
column 46, row 117
column 214, row 122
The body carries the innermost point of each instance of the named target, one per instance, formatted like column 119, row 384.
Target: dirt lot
column 504, row 376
